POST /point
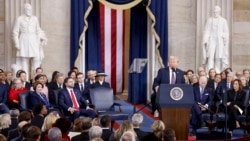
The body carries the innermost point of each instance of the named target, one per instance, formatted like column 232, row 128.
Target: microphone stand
column 224, row 92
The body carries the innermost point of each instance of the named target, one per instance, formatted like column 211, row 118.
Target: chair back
column 23, row 100
column 102, row 98
column 246, row 98
column 56, row 96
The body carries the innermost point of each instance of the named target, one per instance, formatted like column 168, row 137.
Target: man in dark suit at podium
column 168, row 75
column 202, row 98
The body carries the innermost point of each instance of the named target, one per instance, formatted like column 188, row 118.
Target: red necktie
column 74, row 101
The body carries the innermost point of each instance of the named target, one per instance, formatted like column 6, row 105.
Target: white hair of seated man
column 54, row 134
column 95, row 132
column 137, row 119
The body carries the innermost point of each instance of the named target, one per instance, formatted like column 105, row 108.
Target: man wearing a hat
column 100, row 81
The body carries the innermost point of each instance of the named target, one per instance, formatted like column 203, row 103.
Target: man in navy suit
column 3, row 99
column 168, row 75
column 202, row 98
column 72, row 103
column 100, row 77
column 81, row 86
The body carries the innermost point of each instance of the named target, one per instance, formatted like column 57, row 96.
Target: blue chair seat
column 114, row 115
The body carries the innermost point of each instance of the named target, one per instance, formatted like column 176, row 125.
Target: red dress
column 13, row 94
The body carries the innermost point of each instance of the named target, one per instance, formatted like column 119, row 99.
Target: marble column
column 241, row 35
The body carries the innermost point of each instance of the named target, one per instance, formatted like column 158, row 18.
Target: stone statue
column 29, row 40
column 215, row 42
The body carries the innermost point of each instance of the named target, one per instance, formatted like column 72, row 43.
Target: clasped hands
column 72, row 110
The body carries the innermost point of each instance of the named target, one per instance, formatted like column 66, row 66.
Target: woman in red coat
column 14, row 91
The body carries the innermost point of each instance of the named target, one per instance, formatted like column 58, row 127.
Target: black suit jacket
column 140, row 134
column 3, row 93
column 65, row 100
column 27, row 85
column 84, row 93
column 13, row 133
column 163, row 77
column 38, row 121
column 84, row 136
column 106, row 133
column 34, row 99
column 236, row 97
column 98, row 84
column 206, row 96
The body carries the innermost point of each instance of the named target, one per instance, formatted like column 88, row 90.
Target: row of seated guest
column 83, row 129
column 47, row 88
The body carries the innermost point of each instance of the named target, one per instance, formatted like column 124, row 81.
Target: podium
column 135, row 68
column 175, row 102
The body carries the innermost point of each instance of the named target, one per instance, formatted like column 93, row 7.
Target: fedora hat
column 101, row 74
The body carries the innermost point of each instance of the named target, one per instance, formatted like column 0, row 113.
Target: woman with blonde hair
column 158, row 127
column 5, row 122
column 49, row 120
column 126, row 126
column 128, row 136
column 15, row 90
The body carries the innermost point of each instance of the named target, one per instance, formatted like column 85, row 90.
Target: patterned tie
column 44, row 99
column 173, row 77
column 74, row 101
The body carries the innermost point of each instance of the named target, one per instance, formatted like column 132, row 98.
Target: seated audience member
column 128, row 136
column 95, row 132
column 5, row 122
column 23, row 118
column 38, row 71
column 137, row 120
column 194, row 79
column 49, row 120
column 17, row 136
column 54, row 134
column 80, row 85
column 96, row 122
column 84, row 136
column 126, row 126
column 42, row 79
column 2, row 138
column 77, row 128
column 238, row 74
column 39, row 112
column 8, row 78
column 105, row 122
column 38, row 96
column 158, row 127
column 202, row 99
column 100, row 81
column 64, row 125
column 75, row 69
column 53, row 77
column 235, row 100
column 187, row 76
column 55, row 85
column 33, row 133
column 14, row 113
column 22, row 75
column 168, row 135
column 90, row 77
column 244, row 83
column 72, row 103
column 72, row 74
column 15, row 91
column 3, row 99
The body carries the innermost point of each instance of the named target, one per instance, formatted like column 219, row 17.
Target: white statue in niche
column 29, row 40
column 215, row 42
